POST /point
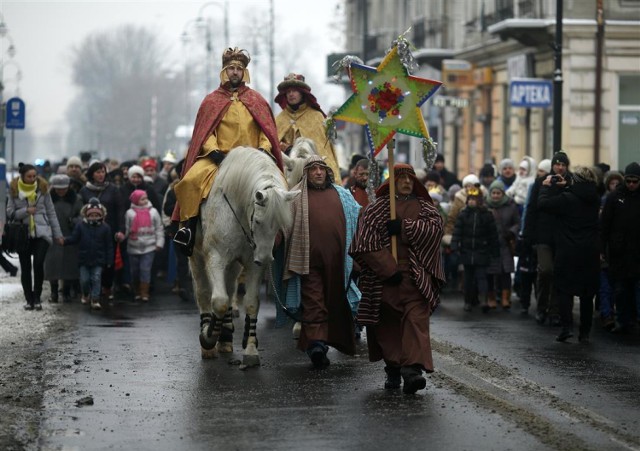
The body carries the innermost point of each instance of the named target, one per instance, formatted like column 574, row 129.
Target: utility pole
column 557, row 82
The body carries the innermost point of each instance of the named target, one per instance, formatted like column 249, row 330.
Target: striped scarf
column 424, row 235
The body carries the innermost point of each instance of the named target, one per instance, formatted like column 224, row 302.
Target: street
column 131, row 377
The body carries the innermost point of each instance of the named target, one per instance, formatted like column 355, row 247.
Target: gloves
column 394, row 226
column 394, row 280
column 217, row 156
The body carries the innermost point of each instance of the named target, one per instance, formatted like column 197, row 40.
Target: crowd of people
column 99, row 229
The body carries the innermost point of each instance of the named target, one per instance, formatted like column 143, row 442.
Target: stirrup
column 183, row 236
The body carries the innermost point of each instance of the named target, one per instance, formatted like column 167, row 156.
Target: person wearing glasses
column 620, row 246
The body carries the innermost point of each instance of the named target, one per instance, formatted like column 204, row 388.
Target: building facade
column 479, row 48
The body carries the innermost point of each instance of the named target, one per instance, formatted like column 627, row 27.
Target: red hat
column 150, row 163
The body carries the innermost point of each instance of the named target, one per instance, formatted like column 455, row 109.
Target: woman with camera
column 30, row 203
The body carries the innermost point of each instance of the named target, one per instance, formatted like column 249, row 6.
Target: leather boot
column 144, row 291
column 413, row 379
column 393, row 379
column 135, row 287
column 506, row 299
column 491, row 300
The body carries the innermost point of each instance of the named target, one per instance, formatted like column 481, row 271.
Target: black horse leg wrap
column 205, row 318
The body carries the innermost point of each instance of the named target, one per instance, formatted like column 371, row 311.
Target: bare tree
column 118, row 73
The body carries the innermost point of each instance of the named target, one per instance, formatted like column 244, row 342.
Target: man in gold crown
column 301, row 116
column 233, row 115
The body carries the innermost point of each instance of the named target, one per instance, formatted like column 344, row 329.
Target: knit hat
column 470, row 179
column 487, row 170
column 135, row 169
column 632, row 169
column 506, row 163
column 433, row 176
column 560, row 157
column 59, row 181
column 150, row 163
column 496, row 184
column 545, row 165
column 93, row 206
column 136, row 196
column 74, row 161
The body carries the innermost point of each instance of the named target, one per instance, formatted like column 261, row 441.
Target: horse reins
column 249, row 238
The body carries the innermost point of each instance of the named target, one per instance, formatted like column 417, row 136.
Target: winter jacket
column 95, row 243
column 111, row 198
column 148, row 238
column 475, row 236
column 620, row 234
column 520, row 188
column 507, row 223
column 46, row 221
column 61, row 262
column 576, row 263
column 540, row 226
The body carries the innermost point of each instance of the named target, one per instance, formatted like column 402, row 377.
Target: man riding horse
column 233, row 115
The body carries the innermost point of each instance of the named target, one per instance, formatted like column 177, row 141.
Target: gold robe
column 237, row 128
column 307, row 122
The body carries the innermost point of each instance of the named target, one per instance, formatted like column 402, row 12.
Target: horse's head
column 271, row 213
column 301, row 150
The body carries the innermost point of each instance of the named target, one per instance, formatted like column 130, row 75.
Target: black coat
column 576, row 264
column 540, row 225
column 620, row 235
column 475, row 236
column 95, row 243
column 111, row 198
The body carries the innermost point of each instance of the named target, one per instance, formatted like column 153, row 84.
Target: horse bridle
column 248, row 236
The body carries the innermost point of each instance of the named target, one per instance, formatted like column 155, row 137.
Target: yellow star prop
column 387, row 100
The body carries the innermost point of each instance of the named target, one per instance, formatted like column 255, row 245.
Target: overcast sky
column 44, row 32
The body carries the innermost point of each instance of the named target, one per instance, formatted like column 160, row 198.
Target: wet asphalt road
column 501, row 382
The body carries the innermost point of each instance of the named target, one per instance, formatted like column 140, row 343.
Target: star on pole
column 387, row 100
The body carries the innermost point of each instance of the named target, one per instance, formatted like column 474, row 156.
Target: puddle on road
column 114, row 324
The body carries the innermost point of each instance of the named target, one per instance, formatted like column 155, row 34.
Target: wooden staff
column 392, row 195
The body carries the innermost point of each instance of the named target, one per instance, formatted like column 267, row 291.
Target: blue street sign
column 530, row 92
column 15, row 113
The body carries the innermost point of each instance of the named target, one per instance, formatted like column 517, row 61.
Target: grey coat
column 46, row 221
column 61, row 262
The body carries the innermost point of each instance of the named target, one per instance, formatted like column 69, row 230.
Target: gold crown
column 235, row 56
column 473, row 191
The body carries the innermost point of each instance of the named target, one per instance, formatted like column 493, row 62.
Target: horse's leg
column 252, row 306
column 202, row 289
column 225, row 343
column 218, row 303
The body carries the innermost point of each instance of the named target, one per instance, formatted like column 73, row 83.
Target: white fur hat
column 470, row 179
column 135, row 169
column 545, row 165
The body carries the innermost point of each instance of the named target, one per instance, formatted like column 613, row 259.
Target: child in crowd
column 95, row 245
column 146, row 236
column 475, row 236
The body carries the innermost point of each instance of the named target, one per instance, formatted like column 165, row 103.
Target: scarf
column 141, row 220
column 95, row 187
column 28, row 191
column 495, row 204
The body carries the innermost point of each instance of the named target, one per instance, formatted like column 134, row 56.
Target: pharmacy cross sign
column 387, row 100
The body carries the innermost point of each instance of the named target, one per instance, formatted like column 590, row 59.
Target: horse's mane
column 246, row 170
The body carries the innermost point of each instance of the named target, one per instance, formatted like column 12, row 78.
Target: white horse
column 248, row 204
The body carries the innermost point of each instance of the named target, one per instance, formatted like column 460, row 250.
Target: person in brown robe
column 317, row 255
column 399, row 296
column 359, row 189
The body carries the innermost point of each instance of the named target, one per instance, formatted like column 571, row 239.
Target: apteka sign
column 530, row 92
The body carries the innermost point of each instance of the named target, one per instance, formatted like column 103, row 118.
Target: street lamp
column 11, row 52
column 202, row 22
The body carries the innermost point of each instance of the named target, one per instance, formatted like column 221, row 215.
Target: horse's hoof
column 224, row 347
column 209, row 353
column 297, row 327
column 207, row 343
column 249, row 361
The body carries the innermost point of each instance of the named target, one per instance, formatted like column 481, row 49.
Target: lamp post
column 208, row 45
column 557, row 81
column 11, row 51
column 184, row 37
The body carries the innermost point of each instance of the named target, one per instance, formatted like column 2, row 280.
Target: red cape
column 212, row 110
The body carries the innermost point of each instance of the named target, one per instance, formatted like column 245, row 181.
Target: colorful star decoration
column 387, row 100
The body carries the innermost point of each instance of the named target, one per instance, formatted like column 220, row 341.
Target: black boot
column 54, row 292
column 29, row 298
column 185, row 237
column 413, row 379
column 393, row 379
column 565, row 334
